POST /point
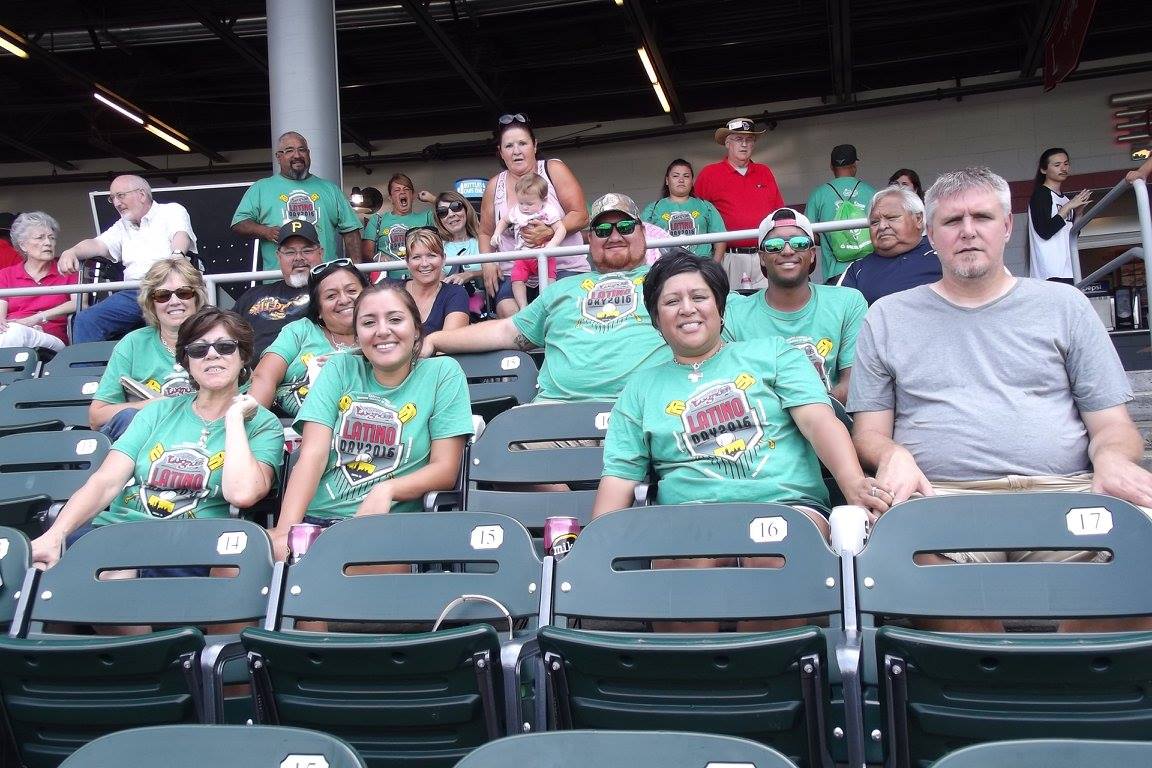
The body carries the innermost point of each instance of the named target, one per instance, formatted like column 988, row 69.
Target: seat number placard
column 767, row 529
column 1089, row 521
column 487, row 537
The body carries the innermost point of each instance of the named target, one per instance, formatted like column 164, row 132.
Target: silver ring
column 875, row 490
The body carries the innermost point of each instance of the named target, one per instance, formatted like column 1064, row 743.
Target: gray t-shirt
column 992, row 391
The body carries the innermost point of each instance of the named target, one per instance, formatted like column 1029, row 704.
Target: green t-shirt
column 692, row 217
column 141, row 355
column 595, row 332
column 825, row 329
column 297, row 343
column 821, row 206
column 276, row 200
column 727, row 437
column 387, row 230
column 178, row 474
column 381, row 432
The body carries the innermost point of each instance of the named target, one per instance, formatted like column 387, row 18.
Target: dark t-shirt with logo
column 269, row 308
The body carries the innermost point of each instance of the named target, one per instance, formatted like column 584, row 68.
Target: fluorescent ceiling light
column 108, row 102
column 663, row 99
column 168, row 138
column 10, row 45
column 647, row 64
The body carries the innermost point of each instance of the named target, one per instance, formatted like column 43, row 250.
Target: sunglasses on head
column 776, row 244
column 625, row 227
column 200, row 349
column 516, row 118
column 164, row 295
column 320, row 269
column 453, row 207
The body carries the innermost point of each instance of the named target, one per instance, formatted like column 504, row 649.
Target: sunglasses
column 625, row 227
column 516, row 118
column 320, row 269
column 776, row 244
column 163, row 295
column 454, row 207
column 200, row 348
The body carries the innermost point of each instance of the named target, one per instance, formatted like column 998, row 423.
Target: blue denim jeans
column 118, row 312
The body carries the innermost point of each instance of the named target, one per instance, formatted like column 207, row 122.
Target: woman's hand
column 32, row 321
column 46, row 549
column 868, row 493
column 536, row 234
column 378, row 501
column 243, row 408
column 492, row 277
column 279, row 537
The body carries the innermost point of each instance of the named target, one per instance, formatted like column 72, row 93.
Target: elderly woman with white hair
column 903, row 258
column 35, row 321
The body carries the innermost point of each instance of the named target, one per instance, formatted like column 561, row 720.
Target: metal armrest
column 212, row 661
column 440, row 501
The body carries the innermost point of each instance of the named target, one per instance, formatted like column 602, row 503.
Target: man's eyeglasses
column 516, row 118
column 224, row 347
column 292, row 253
column 453, row 207
column 741, row 139
column 292, row 151
column 320, row 269
column 164, row 295
column 776, row 244
column 115, row 197
column 625, row 227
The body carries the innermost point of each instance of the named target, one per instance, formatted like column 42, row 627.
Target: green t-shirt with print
column 140, row 355
column 381, row 432
column 691, row 217
column 276, row 200
column 821, row 206
column 296, row 344
column 726, row 437
column 595, row 332
column 178, row 473
column 824, row 329
column 388, row 230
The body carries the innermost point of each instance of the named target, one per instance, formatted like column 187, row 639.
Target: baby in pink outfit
column 531, row 205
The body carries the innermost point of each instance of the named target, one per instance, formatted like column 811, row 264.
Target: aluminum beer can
column 300, row 538
column 559, row 534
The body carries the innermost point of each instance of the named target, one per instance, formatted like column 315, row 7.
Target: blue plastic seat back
column 63, row 399
column 14, row 562
column 88, row 360
column 498, row 380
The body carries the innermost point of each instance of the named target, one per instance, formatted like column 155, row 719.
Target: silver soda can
column 559, row 535
column 300, row 537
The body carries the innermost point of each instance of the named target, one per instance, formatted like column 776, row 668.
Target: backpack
column 848, row 245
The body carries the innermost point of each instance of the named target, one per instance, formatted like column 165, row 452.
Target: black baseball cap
column 298, row 228
column 844, row 154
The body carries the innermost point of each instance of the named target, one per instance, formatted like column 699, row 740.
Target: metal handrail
column 541, row 254
column 1143, row 215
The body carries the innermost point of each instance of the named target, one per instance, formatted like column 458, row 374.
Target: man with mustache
column 271, row 306
column 295, row 193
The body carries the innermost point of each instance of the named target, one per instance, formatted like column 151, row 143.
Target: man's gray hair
column 909, row 200
column 138, row 182
column 955, row 183
column 26, row 222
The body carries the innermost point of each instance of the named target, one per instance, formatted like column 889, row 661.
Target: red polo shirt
column 25, row 306
column 742, row 199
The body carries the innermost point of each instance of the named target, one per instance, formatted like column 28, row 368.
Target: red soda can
column 559, row 534
column 300, row 537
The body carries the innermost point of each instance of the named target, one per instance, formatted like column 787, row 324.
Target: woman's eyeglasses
column 453, row 207
column 163, row 295
column 776, row 244
column 625, row 227
column 320, row 269
column 200, row 349
column 516, row 118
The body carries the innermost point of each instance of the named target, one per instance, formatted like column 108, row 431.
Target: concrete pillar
column 303, row 84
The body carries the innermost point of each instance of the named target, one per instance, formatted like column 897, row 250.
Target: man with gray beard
column 271, row 306
column 987, row 382
column 295, row 193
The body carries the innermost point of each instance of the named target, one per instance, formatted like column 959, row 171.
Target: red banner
column 1065, row 40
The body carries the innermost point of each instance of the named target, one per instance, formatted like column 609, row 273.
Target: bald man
column 147, row 232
